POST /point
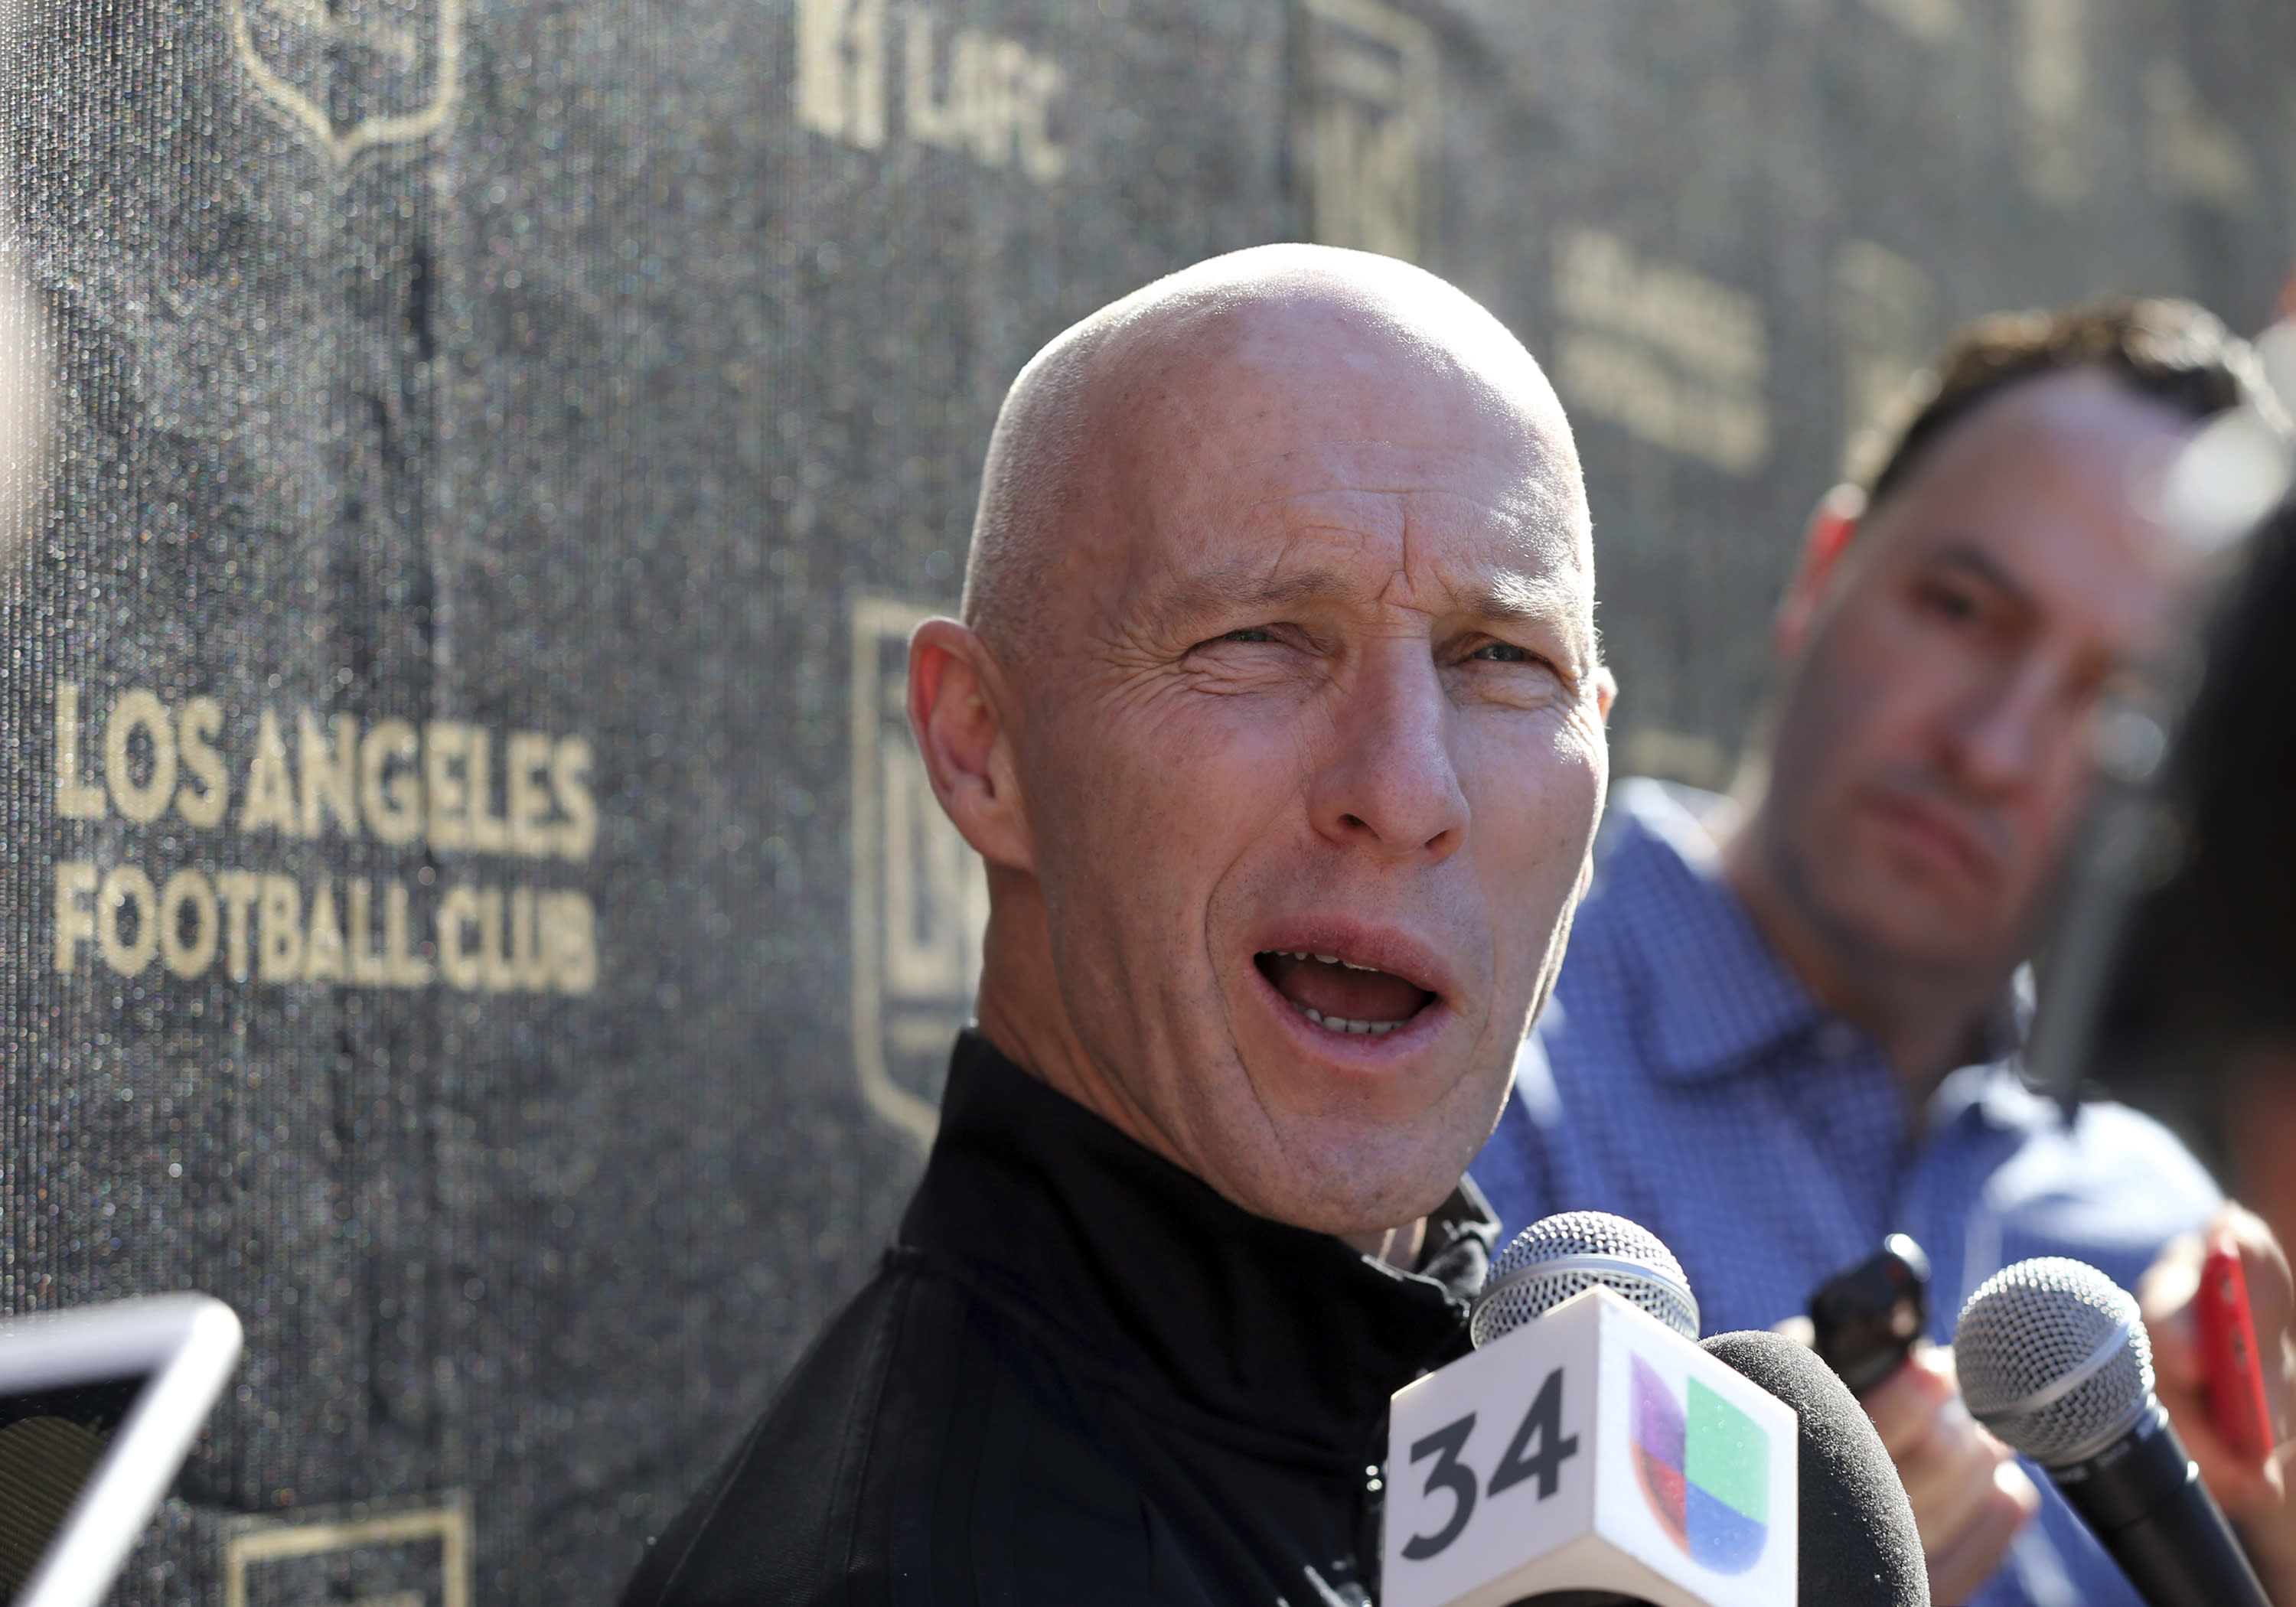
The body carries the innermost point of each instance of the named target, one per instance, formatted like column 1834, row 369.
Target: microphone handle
column 2143, row 1499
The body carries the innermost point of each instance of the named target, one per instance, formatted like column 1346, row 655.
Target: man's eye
column 1249, row 634
column 1951, row 603
column 1500, row 653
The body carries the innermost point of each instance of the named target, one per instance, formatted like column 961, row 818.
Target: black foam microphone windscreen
column 1859, row 1544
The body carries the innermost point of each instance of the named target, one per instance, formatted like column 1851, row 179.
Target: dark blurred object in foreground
column 2174, row 983
column 2190, row 995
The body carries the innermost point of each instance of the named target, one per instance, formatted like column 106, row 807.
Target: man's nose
column 2011, row 731
column 1387, row 781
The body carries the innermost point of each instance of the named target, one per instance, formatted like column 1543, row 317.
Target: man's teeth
column 1337, row 1023
column 1327, row 960
column 1340, row 1023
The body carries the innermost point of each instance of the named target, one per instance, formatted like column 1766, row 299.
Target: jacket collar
column 1138, row 1271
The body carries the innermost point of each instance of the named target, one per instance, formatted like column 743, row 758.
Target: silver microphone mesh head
column 1559, row 1257
column 2053, row 1358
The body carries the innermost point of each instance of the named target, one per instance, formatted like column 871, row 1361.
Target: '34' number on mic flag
column 1538, row 1451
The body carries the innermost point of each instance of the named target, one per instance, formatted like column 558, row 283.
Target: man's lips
column 1341, row 994
column 1937, row 836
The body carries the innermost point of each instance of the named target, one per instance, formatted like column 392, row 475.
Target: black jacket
column 1081, row 1377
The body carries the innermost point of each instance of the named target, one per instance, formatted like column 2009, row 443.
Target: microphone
column 1589, row 1452
column 1558, row 1257
column 2053, row 1358
column 1859, row 1542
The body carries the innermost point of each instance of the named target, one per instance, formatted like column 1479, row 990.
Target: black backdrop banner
column 468, row 898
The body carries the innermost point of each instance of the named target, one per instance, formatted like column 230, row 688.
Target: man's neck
column 1925, row 1022
column 1049, row 1051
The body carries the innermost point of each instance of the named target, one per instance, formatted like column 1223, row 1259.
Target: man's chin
column 1913, row 922
column 1347, row 1165
column 1903, row 884
column 1348, row 1133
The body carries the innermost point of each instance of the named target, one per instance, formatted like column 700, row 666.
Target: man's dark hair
column 2169, row 351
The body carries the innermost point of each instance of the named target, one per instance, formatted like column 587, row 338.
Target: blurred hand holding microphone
column 2055, row 1358
column 1970, row 1496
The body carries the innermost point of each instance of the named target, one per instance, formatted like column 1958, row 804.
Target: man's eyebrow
column 1217, row 591
column 1510, row 600
column 1517, row 600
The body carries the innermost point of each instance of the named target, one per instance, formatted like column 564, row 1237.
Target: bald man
column 1277, row 714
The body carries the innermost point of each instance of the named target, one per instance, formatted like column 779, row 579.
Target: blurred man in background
column 1786, row 1025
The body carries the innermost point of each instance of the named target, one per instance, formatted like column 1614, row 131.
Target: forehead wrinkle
column 1246, row 504
column 1526, row 555
column 1512, row 520
column 1242, row 584
column 1332, row 455
column 1546, row 601
column 1394, row 468
column 1503, row 598
column 1535, row 566
column 1524, row 524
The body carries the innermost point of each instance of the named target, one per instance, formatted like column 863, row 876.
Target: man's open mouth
column 1339, row 997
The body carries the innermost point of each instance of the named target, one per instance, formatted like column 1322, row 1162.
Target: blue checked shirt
column 1682, row 1078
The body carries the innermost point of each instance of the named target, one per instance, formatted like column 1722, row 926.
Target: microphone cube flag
column 1594, row 1448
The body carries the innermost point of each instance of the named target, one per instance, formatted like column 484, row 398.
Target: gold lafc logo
column 354, row 74
column 920, row 896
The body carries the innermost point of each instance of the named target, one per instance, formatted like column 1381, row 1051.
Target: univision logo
column 1705, row 1467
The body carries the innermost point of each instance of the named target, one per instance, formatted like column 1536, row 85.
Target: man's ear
column 1831, row 527
column 958, row 712
column 1606, row 694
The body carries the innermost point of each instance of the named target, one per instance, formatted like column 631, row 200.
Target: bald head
column 1276, row 715
column 1249, row 354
